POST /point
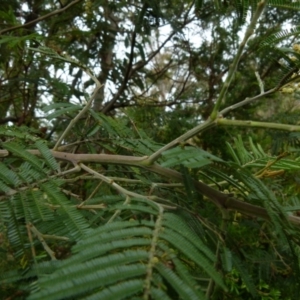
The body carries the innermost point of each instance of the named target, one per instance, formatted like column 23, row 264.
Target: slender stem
column 73, row 121
column 152, row 158
column 246, row 101
column 212, row 288
column 65, row 57
column 28, row 226
column 282, row 82
column 112, row 183
column 40, row 237
column 151, row 259
column 118, row 211
column 256, row 124
column 55, row 12
column 218, row 198
column 260, row 83
column 249, row 32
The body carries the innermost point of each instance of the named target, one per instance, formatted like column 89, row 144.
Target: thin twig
column 155, row 156
column 42, row 240
column 130, row 72
column 118, row 211
column 269, row 125
column 246, row 101
column 65, row 57
column 31, row 241
column 73, row 121
column 55, row 12
column 114, row 185
column 151, row 259
column 249, row 32
column 260, row 82
column 91, row 195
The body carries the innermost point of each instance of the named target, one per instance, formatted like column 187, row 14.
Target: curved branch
column 80, row 114
column 131, row 70
column 207, row 124
column 248, row 100
column 249, row 32
column 53, row 13
column 225, row 201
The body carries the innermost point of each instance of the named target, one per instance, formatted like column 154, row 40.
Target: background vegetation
column 149, row 149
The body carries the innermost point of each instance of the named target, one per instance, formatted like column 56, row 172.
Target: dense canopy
column 149, row 149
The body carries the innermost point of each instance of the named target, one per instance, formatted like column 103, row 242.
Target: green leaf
column 190, row 157
column 226, row 259
column 47, row 155
column 184, row 290
column 121, row 290
column 94, row 277
column 21, row 152
column 62, row 109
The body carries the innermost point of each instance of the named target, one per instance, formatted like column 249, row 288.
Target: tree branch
column 130, row 72
column 53, row 13
column 249, row 32
column 224, row 201
column 207, row 124
column 285, row 127
column 80, row 114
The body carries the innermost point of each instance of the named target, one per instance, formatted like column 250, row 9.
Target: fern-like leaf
column 115, row 256
column 190, row 157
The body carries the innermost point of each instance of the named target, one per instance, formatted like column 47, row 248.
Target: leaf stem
column 246, row 101
column 151, row 259
column 256, row 124
column 249, row 32
column 218, row 198
column 203, row 126
column 79, row 115
column 53, row 13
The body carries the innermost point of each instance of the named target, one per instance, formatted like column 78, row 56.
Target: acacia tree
column 124, row 173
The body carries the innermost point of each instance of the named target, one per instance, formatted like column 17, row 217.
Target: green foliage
column 118, row 178
column 136, row 247
column 190, row 157
column 123, row 251
column 257, row 159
